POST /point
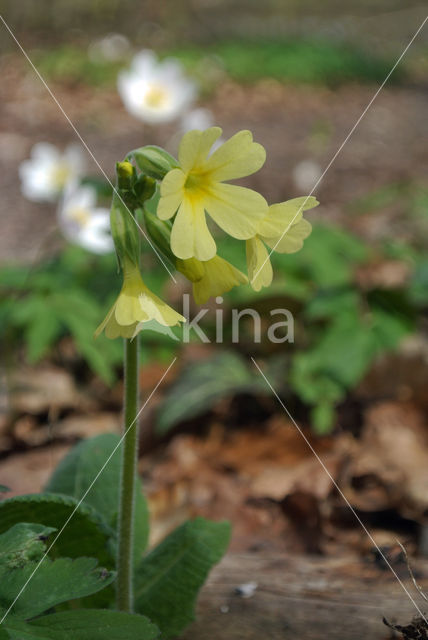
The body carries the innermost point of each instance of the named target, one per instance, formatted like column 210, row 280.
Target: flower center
column 79, row 215
column 156, row 97
column 60, row 175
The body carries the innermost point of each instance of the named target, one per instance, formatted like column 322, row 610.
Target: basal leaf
column 49, row 583
column 169, row 578
column 84, row 624
column 23, row 543
column 85, row 531
column 77, row 471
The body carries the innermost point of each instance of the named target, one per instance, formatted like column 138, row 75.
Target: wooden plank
column 302, row 598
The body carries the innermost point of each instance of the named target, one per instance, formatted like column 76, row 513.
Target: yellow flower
column 135, row 305
column 219, row 276
column 198, row 186
column 283, row 229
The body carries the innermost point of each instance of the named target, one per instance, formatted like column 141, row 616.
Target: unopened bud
column 160, row 233
column 124, row 231
column 154, row 161
column 125, row 175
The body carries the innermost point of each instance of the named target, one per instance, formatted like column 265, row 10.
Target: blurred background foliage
column 354, row 296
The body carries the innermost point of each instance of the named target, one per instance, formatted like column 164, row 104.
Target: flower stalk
column 128, row 475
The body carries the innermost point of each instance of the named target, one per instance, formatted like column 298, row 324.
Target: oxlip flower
column 155, row 91
column 134, row 306
column 197, row 186
column 82, row 222
column 211, row 278
column 283, row 229
column 45, row 175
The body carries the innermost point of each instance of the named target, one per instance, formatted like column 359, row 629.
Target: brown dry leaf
column 87, row 426
column 29, row 472
column 44, row 389
column 391, row 467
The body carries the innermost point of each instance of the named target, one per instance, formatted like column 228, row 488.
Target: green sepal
column 160, row 233
column 124, row 231
column 154, row 161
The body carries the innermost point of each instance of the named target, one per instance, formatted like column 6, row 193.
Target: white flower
column 113, row 47
column 197, row 119
column 45, row 174
column 82, row 222
column 155, row 91
column 306, row 175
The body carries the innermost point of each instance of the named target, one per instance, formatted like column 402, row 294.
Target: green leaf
column 85, row 531
column 169, row 578
column 84, row 624
column 42, row 330
column 200, row 386
column 77, row 471
column 49, row 583
column 23, row 543
column 322, row 418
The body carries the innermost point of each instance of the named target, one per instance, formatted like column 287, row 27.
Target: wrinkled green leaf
column 77, row 471
column 85, row 531
column 85, row 624
column 49, row 583
column 169, row 578
column 23, row 543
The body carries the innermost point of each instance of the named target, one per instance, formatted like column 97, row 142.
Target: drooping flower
column 45, row 175
column 134, row 306
column 155, row 91
column 283, row 229
column 211, row 278
column 82, row 222
column 198, row 186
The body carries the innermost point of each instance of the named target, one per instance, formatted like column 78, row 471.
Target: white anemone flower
column 155, row 91
column 45, row 174
column 306, row 175
column 200, row 118
column 82, row 222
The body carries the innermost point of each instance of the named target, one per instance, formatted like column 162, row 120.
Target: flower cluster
column 189, row 194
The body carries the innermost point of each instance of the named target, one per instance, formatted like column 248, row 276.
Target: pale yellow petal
column 129, row 310
column 190, row 236
column 104, row 323
column 171, row 190
column 291, row 241
column 220, row 276
column 259, row 267
column 195, row 147
column 237, row 157
column 158, row 310
column 237, row 210
column 282, row 216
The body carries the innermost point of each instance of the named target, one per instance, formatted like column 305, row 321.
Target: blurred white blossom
column 156, row 91
column 306, row 175
column 113, row 47
column 82, row 222
column 45, row 175
column 200, row 118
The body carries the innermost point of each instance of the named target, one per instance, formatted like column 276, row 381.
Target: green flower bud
column 144, row 188
column 125, row 175
column 154, row 161
column 160, row 233
column 124, row 231
column 192, row 268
